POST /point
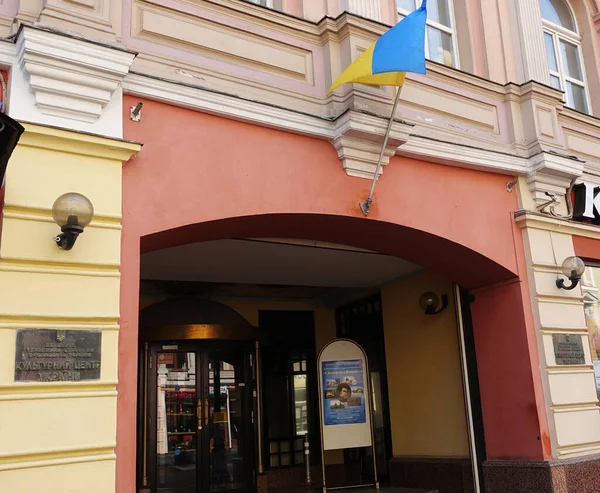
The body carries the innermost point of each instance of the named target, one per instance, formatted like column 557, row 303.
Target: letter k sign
column 587, row 202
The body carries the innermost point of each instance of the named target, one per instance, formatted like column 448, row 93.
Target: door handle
column 199, row 413
column 206, row 412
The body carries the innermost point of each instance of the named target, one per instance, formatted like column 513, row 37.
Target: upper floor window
column 440, row 38
column 264, row 3
column 563, row 50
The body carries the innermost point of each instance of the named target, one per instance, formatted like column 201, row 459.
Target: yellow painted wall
column 424, row 375
column 59, row 434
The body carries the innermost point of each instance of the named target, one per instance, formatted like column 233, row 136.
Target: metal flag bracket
column 365, row 206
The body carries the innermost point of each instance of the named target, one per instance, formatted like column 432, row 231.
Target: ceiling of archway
column 274, row 262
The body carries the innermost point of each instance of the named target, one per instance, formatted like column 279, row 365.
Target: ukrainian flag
column 400, row 50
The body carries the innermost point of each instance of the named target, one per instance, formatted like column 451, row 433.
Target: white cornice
column 8, row 52
column 526, row 219
column 70, row 77
column 358, row 140
column 428, row 148
column 443, row 152
column 551, row 173
column 228, row 106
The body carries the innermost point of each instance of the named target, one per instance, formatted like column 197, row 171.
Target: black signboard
column 568, row 349
column 48, row 355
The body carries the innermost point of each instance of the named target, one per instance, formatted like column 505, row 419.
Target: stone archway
column 207, row 178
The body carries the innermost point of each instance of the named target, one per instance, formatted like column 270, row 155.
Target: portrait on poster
column 343, row 392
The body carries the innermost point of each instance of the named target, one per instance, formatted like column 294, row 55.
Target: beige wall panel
column 54, row 425
column 58, row 295
column 572, row 387
column 546, row 122
column 548, row 349
column 582, row 144
column 476, row 113
column 424, row 366
column 539, row 245
column 88, row 477
column 32, row 240
column 545, row 285
column 8, row 338
column 578, row 427
column 223, row 42
column 561, row 314
column 59, row 172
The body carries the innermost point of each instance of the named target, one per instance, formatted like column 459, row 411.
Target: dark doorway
column 289, row 386
column 362, row 321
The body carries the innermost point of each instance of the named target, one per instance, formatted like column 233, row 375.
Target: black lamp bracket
column 560, row 283
column 66, row 240
column 432, row 311
column 574, row 278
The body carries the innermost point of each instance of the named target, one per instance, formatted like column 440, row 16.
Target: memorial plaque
column 47, row 355
column 568, row 349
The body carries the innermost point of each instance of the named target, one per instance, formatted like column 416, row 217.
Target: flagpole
column 366, row 205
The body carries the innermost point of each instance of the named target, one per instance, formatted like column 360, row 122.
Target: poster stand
column 353, row 357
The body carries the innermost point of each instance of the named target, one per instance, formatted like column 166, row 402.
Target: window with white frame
column 264, row 3
column 440, row 38
column 563, row 51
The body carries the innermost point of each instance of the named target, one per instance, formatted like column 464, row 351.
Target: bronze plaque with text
column 568, row 349
column 48, row 355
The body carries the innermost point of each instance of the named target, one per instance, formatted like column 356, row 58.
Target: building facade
column 227, row 245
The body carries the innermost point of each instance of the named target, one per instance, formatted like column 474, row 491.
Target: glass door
column 200, row 424
column 229, row 421
column 177, row 424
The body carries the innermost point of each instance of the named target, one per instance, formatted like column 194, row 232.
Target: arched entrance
column 197, row 397
column 218, row 179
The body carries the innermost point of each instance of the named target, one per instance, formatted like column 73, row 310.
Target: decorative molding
column 530, row 48
column 81, row 143
column 8, row 53
column 221, row 41
column 29, row 12
column 464, row 156
column 70, row 77
column 430, row 147
column 358, row 139
column 94, row 19
column 227, row 105
column 553, row 174
column 536, row 220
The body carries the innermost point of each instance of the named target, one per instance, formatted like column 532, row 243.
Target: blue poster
column 343, row 392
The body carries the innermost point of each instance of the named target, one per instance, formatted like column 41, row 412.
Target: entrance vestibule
column 191, row 307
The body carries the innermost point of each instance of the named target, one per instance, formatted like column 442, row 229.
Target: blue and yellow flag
column 400, row 50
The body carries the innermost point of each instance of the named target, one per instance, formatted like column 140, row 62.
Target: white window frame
column 448, row 30
column 268, row 3
column 559, row 33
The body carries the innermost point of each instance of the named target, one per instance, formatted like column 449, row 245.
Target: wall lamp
column 573, row 268
column 72, row 212
column 430, row 302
